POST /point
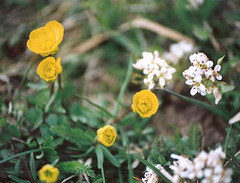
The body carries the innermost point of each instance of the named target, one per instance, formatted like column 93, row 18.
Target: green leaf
column 124, row 138
column 226, row 88
column 45, row 131
column 35, row 117
column 49, row 153
column 97, row 106
column 76, row 113
column 32, row 144
column 100, row 157
column 18, row 179
column 227, row 139
column 76, row 167
column 153, row 168
column 202, row 33
column 212, row 109
column 3, row 121
column 13, row 131
column 55, row 162
column 55, row 102
column 74, row 135
column 52, row 119
column 32, row 167
column 48, row 142
column 38, row 86
column 109, row 156
column 194, row 137
column 17, row 168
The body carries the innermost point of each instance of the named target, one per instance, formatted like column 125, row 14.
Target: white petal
column 156, row 54
column 189, row 82
column 202, row 87
column 138, row 66
column 203, row 93
column 202, row 58
column 150, row 76
column 198, row 78
column 193, row 91
column 209, row 63
column 193, row 57
column 162, row 82
column 217, row 68
column 219, row 77
column 208, row 72
column 168, row 76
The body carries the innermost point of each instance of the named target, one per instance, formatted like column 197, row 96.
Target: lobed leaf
column 76, row 167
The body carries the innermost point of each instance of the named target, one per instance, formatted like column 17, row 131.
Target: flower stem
column 121, row 116
column 103, row 176
column 51, row 85
column 59, row 82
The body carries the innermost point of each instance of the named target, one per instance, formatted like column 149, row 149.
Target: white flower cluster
column 157, row 70
column 177, row 51
column 206, row 167
column 150, row 176
column 202, row 77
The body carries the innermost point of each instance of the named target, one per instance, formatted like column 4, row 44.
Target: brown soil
column 181, row 114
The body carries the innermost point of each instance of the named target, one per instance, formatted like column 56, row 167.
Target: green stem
column 120, row 175
column 103, row 176
column 18, row 155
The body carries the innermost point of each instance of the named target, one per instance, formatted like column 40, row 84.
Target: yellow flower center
column 108, row 135
column 204, row 66
column 50, row 70
column 197, row 84
column 48, row 173
column 144, row 105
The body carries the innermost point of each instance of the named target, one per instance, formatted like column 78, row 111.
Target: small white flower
column 207, row 172
column 201, row 76
column 177, row 51
column 216, row 74
column 157, row 70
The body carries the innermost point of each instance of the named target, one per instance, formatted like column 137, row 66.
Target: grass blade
column 95, row 105
column 124, row 86
column 18, row 179
column 109, row 156
column 32, row 167
column 214, row 110
column 19, row 154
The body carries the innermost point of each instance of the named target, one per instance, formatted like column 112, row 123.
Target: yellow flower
column 145, row 103
column 48, row 174
column 106, row 135
column 45, row 40
column 49, row 68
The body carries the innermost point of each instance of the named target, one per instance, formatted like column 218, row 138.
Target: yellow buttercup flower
column 45, row 40
column 49, row 68
column 106, row 135
column 48, row 174
column 145, row 103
